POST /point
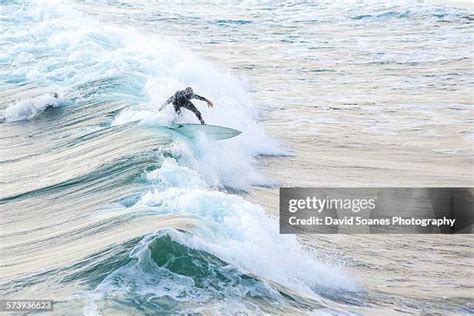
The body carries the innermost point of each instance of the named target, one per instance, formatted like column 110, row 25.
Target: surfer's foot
column 203, row 123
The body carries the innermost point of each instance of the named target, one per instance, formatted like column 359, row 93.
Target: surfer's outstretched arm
column 166, row 103
column 196, row 96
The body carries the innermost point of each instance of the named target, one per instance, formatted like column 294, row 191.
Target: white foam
column 240, row 233
column 29, row 108
column 170, row 174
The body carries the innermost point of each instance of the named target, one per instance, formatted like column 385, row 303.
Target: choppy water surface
column 106, row 210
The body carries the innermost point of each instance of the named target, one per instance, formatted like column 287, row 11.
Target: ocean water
column 107, row 211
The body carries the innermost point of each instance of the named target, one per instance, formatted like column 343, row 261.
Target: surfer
column 181, row 99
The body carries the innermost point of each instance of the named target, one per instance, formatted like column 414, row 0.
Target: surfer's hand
column 210, row 104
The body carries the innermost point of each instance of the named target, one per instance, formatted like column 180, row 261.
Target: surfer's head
column 188, row 90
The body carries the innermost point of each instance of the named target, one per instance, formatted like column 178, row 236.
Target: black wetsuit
column 181, row 99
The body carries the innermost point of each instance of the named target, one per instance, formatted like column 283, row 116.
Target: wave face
column 107, row 210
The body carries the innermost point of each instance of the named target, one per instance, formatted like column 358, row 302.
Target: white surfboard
column 212, row 131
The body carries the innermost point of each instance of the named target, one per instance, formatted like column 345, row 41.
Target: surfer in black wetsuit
column 181, row 99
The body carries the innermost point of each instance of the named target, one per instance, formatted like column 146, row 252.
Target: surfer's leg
column 191, row 107
column 177, row 108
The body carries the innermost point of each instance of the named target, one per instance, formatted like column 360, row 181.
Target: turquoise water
column 106, row 210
